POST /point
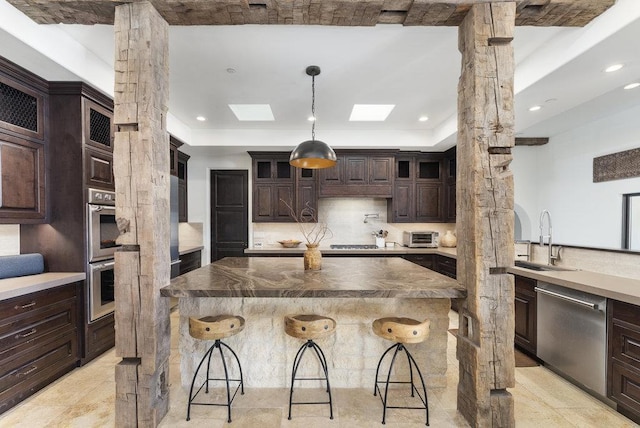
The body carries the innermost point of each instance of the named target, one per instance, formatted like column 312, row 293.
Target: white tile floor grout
column 86, row 398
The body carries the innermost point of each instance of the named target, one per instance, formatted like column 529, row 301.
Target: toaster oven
column 424, row 239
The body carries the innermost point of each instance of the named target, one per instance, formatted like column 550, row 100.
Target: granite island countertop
column 355, row 277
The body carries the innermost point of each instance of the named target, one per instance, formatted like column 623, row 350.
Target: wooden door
column 229, row 213
column 525, row 314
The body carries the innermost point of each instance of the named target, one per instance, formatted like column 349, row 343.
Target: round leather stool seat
column 401, row 330
column 308, row 327
column 215, row 327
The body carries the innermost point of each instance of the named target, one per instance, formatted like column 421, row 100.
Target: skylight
column 370, row 112
column 252, row 112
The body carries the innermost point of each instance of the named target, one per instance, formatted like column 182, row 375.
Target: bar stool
column 215, row 328
column 401, row 331
column 309, row 327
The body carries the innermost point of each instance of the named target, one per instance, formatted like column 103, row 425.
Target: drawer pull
column 31, row 333
column 31, row 370
column 28, row 305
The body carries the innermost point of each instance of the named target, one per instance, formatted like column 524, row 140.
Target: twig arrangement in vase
column 313, row 231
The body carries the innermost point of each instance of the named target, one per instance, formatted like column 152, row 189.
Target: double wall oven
column 102, row 232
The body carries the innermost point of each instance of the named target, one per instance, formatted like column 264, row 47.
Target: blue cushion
column 21, row 265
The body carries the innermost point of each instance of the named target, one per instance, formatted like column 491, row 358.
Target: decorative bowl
column 290, row 243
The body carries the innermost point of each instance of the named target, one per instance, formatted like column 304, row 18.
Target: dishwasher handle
column 590, row 305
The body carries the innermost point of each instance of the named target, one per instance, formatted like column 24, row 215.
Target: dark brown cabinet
column 446, row 266
column 190, row 261
column 525, row 314
column 424, row 260
column 450, row 185
column 80, row 158
column 361, row 173
column 419, row 191
column 23, row 138
column 623, row 371
column 274, row 186
column 38, row 341
column 183, row 213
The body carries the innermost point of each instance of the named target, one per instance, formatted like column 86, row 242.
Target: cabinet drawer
column 625, row 385
column 189, row 262
column 37, row 368
column 100, row 336
column 446, row 266
column 34, row 301
column 424, row 260
column 625, row 345
column 26, row 330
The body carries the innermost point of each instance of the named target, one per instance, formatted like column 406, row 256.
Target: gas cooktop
column 353, row 247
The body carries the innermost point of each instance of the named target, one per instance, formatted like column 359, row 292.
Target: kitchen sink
column 541, row 267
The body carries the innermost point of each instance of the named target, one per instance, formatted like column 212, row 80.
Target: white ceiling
column 416, row 68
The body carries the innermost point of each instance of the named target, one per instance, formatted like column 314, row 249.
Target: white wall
column 559, row 177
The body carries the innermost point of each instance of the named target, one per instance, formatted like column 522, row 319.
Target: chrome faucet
column 551, row 258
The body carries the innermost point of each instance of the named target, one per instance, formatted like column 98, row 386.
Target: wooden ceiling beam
column 564, row 13
column 531, row 141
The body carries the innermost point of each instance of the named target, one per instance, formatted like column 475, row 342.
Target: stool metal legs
column 207, row 356
column 399, row 347
column 323, row 363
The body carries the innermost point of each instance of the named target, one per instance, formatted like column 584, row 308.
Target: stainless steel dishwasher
column 572, row 335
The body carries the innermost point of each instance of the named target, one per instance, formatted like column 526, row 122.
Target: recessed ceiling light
column 252, row 112
column 423, row 118
column 614, row 67
column 370, row 112
column 632, row 85
column 311, row 119
column 201, row 118
column 231, row 70
column 534, row 108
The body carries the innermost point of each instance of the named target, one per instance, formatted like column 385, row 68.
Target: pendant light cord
column 313, row 107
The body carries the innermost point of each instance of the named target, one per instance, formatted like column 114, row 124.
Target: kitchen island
column 352, row 290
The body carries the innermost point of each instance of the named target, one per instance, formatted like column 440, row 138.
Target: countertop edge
column 21, row 285
column 618, row 288
column 189, row 249
column 395, row 251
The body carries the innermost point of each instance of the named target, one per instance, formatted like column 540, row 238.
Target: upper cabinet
column 273, row 187
column 23, row 145
column 98, row 126
column 183, row 215
column 360, row 173
column 424, row 189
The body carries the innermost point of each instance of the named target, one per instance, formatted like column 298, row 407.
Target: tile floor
column 85, row 398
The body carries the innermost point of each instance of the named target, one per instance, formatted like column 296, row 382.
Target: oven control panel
column 102, row 197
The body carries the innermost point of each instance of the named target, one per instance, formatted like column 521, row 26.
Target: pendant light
column 313, row 154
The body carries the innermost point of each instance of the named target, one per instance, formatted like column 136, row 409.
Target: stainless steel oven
column 101, row 282
column 102, row 230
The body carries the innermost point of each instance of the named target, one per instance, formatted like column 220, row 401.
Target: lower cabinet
column 38, row 341
column 525, row 314
column 190, row 261
column 100, row 336
column 446, row 266
column 623, row 371
column 424, row 260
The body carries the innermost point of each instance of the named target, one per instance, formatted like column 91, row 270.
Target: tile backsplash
column 9, row 239
column 345, row 218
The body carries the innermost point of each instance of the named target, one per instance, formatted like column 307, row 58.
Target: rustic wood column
column 141, row 167
column 485, row 215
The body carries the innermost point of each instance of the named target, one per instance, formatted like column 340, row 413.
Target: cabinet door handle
column 31, row 370
column 28, row 305
column 31, row 333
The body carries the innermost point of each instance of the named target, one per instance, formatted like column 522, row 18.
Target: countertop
column 387, row 251
column 388, row 277
column 21, row 285
column 609, row 286
column 186, row 249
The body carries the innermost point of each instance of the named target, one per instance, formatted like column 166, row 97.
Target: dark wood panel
column 99, row 169
column 229, row 211
column 429, row 207
column 356, row 170
column 98, row 126
column 381, row 170
column 23, row 192
column 626, row 389
column 424, row 260
column 263, row 202
column 190, row 261
column 526, row 314
column 283, row 193
column 403, row 202
column 100, row 336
